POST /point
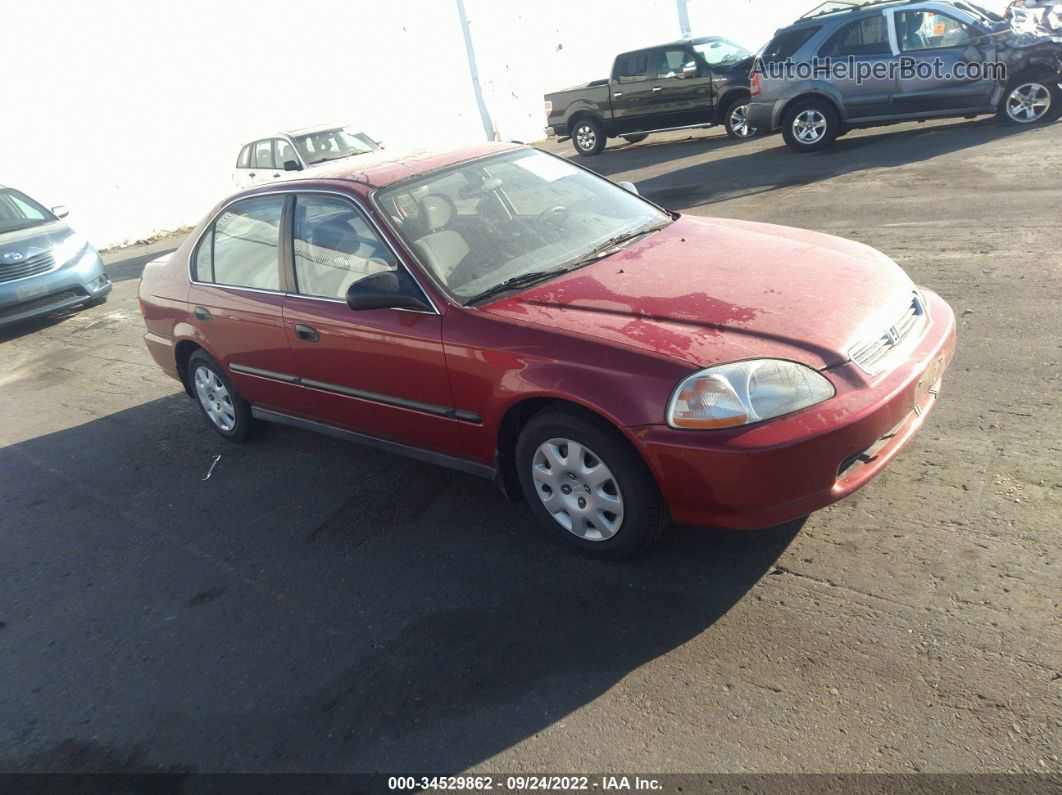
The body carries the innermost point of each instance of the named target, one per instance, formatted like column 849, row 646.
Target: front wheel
column 736, row 120
column 810, row 124
column 587, row 485
column 1029, row 99
column 228, row 413
column 588, row 137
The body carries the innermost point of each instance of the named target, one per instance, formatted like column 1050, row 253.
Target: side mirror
column 630, row 187
column 689, row 70
column 384, row 290
column 292, row 165
column 60, row 211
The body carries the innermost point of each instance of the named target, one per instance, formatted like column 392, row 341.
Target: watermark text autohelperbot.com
column 905, row 67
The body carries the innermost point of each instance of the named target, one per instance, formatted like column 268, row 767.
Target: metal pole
column 684, row 19
column 484, row 114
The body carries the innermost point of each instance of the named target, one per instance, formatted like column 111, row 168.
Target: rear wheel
column 736, row 119
column 810, row 124
column 587, row 485
column 228, row 413
column 588, row 137
column 1029, row 99
column 634, row 139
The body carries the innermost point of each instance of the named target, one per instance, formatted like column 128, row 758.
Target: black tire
column 243, row 423
column 590, row 133
column 644, row 514
column 1046, row 87
column 733, row 124
column 635, row 139
column 811, row 111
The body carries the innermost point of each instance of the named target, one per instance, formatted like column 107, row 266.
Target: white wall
column 133, row 113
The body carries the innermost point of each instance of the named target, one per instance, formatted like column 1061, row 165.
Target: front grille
column 42, row 263
column 55, row 299
column 870, row 354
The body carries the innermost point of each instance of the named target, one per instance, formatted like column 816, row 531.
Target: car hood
column 26, row 243
column 706, row 290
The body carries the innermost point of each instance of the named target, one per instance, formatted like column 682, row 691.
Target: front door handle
column 306, row 332
column 617, row 94
column 655, row 89
column 251, row 174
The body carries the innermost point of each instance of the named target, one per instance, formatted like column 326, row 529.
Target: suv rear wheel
column 588, row 137
column 810, row 124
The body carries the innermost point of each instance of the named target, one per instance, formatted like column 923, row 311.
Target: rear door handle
column 251, row 174
column 306, row 332
column 202, row 313
column 617, row 94
column 655, row 89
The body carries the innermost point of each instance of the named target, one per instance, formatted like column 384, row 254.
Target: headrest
column 436, row 210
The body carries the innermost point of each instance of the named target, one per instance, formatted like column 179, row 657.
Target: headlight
column 742, row 392
column 69, row 248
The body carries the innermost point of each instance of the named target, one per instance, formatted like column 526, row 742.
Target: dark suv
column 906, row 61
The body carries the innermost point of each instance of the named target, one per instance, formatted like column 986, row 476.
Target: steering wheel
column 555, row 216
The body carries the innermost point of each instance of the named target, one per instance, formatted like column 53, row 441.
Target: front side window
column 285, row 152
column 263, row 155
column 928, row 30
column 633, row 67
column 334, row 247
column 19, row 211
column 670, row 64
column 521, row 215
column 721, row 52
column 240, row 247
column 866, row 36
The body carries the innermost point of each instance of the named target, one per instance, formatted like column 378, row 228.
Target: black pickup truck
column 691, row 83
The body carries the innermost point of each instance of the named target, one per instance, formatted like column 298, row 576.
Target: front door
column 380, row 372
column 933, row 48
column 682, row 89
column 236, row 302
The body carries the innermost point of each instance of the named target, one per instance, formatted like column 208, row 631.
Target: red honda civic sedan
column 504, row 312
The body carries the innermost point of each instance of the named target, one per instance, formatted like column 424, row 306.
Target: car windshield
column 19, row 211
column 502, row 222
column 721, row 51
column 325, row 145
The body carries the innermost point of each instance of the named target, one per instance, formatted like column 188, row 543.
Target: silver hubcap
column 577, row 489
column 214, row 398
column 1028, row 102
column 809, row 126
column 585, row 137
column 739, row 122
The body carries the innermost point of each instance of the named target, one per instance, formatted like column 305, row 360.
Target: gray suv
column 905, row 60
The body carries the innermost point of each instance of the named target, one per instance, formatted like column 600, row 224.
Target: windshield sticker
column 548, row 168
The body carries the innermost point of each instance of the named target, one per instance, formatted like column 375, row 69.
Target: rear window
column 785, row 44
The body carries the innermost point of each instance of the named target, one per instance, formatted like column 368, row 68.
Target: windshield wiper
column 516, row 282
column 612, row 245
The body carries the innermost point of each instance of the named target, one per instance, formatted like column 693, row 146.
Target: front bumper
column 81, row 280
column 783, row 469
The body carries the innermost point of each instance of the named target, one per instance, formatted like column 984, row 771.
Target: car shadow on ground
column 753, row 170
column 312, row 605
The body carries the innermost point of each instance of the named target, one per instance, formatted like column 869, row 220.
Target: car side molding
column 409, row 451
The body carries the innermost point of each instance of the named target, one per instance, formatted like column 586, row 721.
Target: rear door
column 237, row 302
column 632, row 92
column 927, row 38
column 380, row 372
column 682, row 88
column 865, row 43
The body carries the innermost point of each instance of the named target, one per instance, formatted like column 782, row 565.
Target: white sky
column 132, row 114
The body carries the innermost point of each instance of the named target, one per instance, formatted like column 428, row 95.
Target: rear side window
column 785, row 44
column 240, row 247
column 244, row 160
column 633, row 67
column 263, row 154
column 866, row 36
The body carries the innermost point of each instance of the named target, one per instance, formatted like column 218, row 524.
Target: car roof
column 835, row 9
column 676, row 43
column 381, row 168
